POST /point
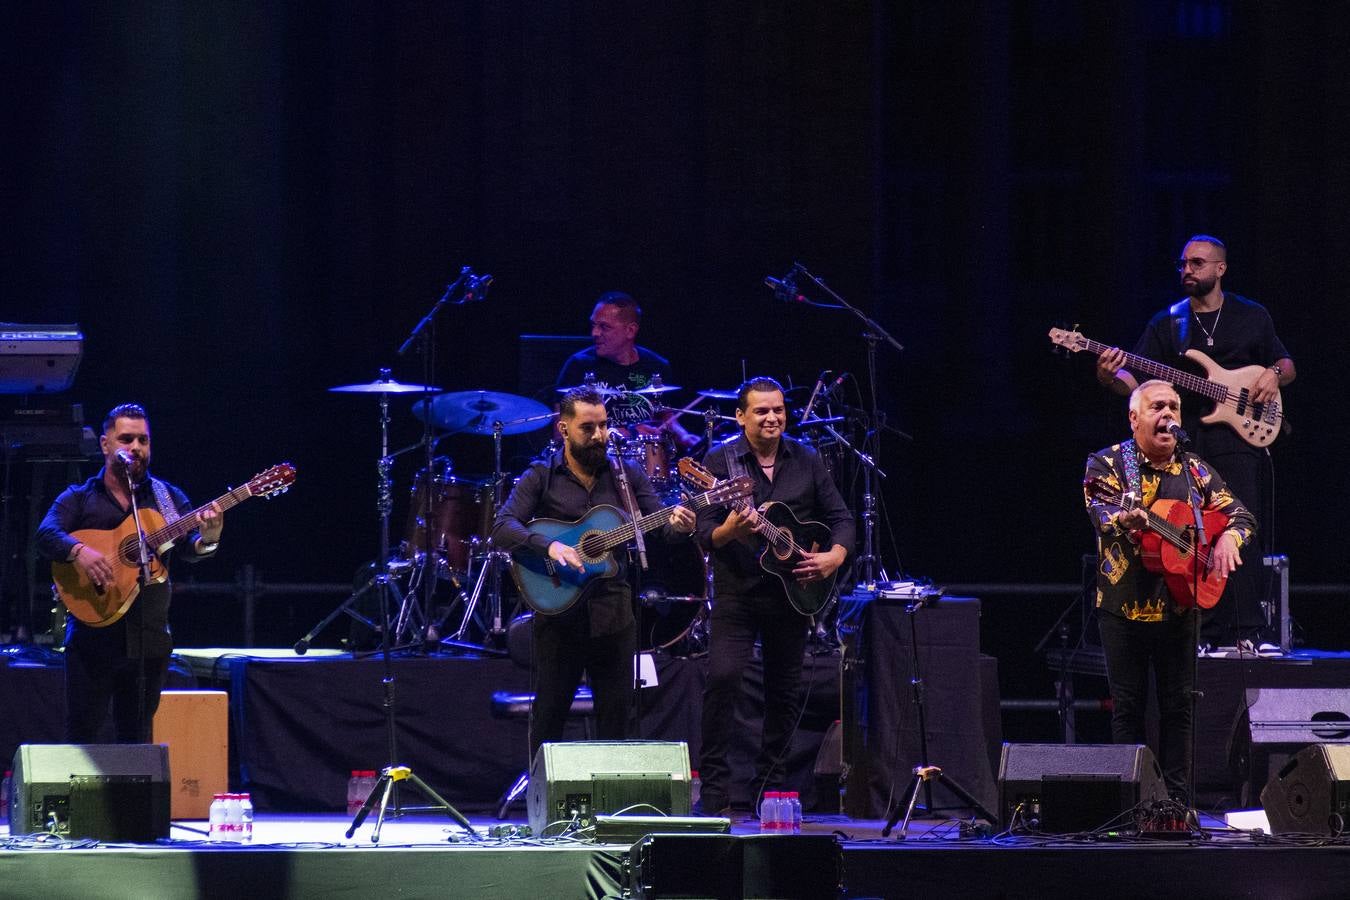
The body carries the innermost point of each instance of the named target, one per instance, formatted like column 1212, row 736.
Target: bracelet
column 204, row 547
column 76, row 555
column 1276, row 369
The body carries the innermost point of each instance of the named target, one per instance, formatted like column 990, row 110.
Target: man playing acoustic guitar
column 764, row 565
column 124, row 662
column 596, row 635
column 1147, row 617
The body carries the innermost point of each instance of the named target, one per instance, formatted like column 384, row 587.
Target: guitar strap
column 164, row 500
column 1129, row 459
column 1181, row 325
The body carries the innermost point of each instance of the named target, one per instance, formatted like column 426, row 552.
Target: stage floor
column 427, row 855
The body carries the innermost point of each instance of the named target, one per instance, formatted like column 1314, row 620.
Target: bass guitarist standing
column 126, row 662
column 594, row 636
column 1143, row 622
column 1235, row 332
column 751, row 600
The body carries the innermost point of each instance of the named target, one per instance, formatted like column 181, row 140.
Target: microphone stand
column 869, row 566
column 1196, row 504
column 873, row 334
column 143, row 562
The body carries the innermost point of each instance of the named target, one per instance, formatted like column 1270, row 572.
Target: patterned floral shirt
column 1124, row 586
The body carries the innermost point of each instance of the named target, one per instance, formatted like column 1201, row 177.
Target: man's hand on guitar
column 1225, row 555
column 94, row 566
column 738, row 526
column 682, row 520
column 212, row 520
column 567, row 556
column 1266, row 386
column 1132, row 520
column 819, row 566
column 1108, row 364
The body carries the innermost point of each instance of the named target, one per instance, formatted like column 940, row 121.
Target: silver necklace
column 1209, row 332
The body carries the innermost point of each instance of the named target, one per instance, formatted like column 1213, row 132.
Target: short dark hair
column 625, row 303
column 761, row 383
column 124, row 411
column 583, row 394
column 1210, row 239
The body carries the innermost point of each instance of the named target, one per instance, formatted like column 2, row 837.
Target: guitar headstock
column 276, row 480
column 696, row 475
column 1105, row 490
column 1072, row 341
column 739, row 488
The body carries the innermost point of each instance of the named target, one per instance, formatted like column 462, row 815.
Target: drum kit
column 446, row 548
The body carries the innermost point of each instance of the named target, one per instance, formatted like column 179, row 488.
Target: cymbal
column 603, row 390
column 656, row 389
column 383, row 386
column 476, row 412
column 718, row 395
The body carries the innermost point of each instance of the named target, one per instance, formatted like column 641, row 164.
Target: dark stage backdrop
column 244, row 205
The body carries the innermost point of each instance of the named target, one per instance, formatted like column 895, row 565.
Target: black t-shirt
column 1244, row 335
column 629, row 408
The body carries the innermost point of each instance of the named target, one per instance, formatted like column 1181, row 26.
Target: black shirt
column 801, row 482
column 550, row 490
column 89, row 505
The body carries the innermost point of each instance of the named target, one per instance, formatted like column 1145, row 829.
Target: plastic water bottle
column 354, row 795
column 794, row 800
column 770, row 812
column 216, row 819
column 695, row 788
column 246, row 817
column 234, row 818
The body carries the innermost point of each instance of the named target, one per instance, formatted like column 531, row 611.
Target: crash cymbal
column 656, row 388
column 603, row 389
column 712, row 394
column 383, row 386
column 476, row 412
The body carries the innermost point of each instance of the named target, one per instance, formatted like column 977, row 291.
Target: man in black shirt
column 596, row 635
column 617, row 361
column 749, row 602
column 1235, row 332
column 125, row 662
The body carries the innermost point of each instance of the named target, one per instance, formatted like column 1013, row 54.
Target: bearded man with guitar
column 774, row 563
column 595, row 635
column 1146, row 613
column 125, row 661
column 1235, row 333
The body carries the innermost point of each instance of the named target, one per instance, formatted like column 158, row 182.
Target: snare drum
column 672, row 593
column 447, row 515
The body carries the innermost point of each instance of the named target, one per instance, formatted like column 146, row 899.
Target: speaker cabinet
column 1276, row 723
column 1311, row 794
column 581, row 779
column 1065, row 788
column 110, row 792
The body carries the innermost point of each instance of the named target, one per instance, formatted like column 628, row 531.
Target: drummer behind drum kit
column 449, row 521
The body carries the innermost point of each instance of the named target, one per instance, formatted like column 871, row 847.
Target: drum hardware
column 656, row 387
column 479, row 412
column 713, row 394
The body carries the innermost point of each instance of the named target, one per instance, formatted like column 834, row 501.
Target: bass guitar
column 99, row 607
column 549, row 587
column 1230, row 389
column 1168, row 545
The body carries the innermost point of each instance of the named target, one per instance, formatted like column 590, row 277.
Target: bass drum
column 672, row 594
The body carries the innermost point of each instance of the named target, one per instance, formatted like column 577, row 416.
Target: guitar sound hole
column 592, row 546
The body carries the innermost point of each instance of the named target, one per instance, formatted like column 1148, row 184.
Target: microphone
column 1177, row 432
column 785, row 289
column 837, row 383
column 815, row 395
column 125, row 457
column 477, row 288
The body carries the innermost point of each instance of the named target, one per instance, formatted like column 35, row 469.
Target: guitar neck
column 180, row 527
column 1211, row 390
column 624, row 533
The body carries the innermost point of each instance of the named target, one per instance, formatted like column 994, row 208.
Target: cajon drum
column 195, row 725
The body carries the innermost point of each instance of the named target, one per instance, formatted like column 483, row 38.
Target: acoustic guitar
column 100, row 607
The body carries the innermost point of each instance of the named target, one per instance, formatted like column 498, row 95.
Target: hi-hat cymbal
column 477, row 412
column 713, row 394
column 657, row 389
column 603, row 390
column 383, row 386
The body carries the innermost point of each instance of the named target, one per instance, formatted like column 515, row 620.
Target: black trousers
column 100, row 673
column 1168, row 647
column 564, row 650
column 736, row 621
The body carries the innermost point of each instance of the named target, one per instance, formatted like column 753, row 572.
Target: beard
column 1198, row 287
column 590, row 456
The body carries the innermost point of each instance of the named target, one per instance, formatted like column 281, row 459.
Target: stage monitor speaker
column 109, row 792
column 1278, row 722
column 1066, row 788
column 1311, row 794
column 578, row 780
